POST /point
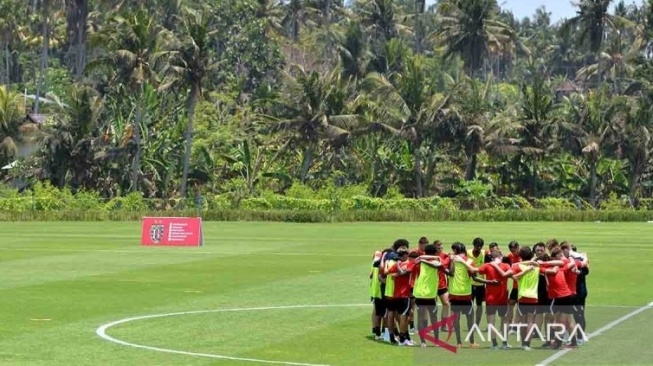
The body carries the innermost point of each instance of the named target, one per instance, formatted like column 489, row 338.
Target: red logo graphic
column 427, row 333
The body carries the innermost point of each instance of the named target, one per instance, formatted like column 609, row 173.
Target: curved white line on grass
column 102, row 332
column 598, row 332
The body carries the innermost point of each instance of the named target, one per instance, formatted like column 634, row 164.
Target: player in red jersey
column 563, row 299
column 496, row 296
column 397, row 291
column 513, row 258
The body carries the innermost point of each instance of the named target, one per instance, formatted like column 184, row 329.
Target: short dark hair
column 413, row 255
column 556, row 252
column 513, row 245
column 566, row 245
column 544, row 257
column 494, row 245
column 423, row 240
column 573, row 247
column 525, row 253
column 552, row 243
column 399, row 243
column 436, row 242
column 458, row 247
column 429, row 249
column 478, row 242
column 539, row 244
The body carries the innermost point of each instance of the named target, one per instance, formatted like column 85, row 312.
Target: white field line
column 599, row 331
column 165, row 249
column 101, row 332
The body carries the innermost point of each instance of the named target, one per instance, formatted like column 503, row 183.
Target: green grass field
column 59, row 282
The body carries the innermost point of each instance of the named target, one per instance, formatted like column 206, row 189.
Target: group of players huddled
column 548, row 286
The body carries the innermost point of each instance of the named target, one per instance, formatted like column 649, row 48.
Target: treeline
column 177, row 99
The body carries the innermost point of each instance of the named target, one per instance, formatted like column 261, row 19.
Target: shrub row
column 45, row 202
column 316, row 216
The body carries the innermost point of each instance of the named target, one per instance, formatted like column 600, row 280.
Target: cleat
column 506, row 346
column 526, row 348
column 407, row 342
column 474, row 345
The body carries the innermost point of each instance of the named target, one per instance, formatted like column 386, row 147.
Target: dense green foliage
column 302, row 204
column 248, row 102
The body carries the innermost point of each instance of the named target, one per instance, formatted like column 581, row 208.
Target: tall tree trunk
column 419, row 177
column 7, row 78
column 420, row 8
column 593, row 198
column 633, row 183
column 306, row 164
column 534, row 176
column 40, row 86
column 138, row 118
column 192, row 102
column 77, row 18
column 470, row 170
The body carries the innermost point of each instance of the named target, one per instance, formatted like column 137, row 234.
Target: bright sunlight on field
column 276, row 293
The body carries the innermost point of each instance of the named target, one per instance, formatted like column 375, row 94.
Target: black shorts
column 400, row 306
column 424, row 302
column 478, row 294
column 513, row 294
column 580, row 299
column 442, row 291
column 543, row 309
column 564, row 305
column 543, row 305
column 526, row 308
column 379, row 306
column 461, row 306
column 501, row 310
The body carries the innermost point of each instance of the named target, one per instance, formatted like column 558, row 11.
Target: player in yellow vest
column 425, row 290
column 479, row 257
column 377, row 287
column 460, row 289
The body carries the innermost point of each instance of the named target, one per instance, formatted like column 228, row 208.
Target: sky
column 559, row 9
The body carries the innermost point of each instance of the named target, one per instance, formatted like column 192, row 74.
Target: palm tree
column 134, row 45
column 40, row 87
column 469, row 29
column 77, row 14
column 636, row 140
column 407, row 108
column 588, row 123
column 537, row 132
column 189, row 65
column 476, row 128
column 319, row 113
column 591, row 23
column 72, row 142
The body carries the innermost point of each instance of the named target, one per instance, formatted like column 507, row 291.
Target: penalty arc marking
column 102, row 331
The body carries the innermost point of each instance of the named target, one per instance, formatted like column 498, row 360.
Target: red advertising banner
column 172, row 231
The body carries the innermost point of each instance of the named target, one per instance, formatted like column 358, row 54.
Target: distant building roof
column 37, row 118
column 568, row 86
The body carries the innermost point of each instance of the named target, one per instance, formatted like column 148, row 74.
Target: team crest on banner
column 172, row 231
column 156, row 233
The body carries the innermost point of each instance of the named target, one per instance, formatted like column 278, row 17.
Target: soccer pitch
column 248, row 294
